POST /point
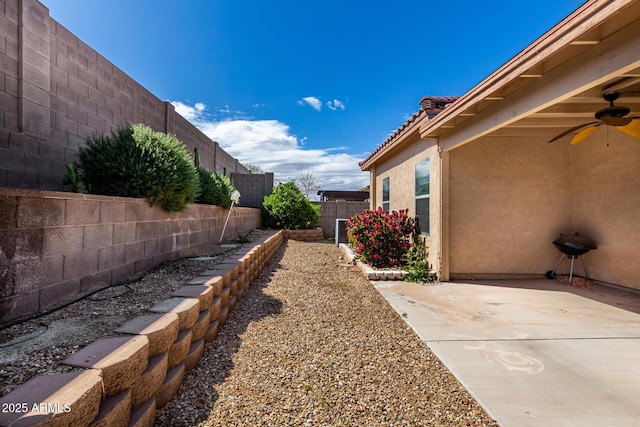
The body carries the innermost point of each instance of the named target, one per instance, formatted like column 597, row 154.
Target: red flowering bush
column 380, row 238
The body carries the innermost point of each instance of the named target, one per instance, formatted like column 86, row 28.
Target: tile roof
column 429, row 106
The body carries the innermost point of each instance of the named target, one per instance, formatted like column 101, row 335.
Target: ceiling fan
column 611, row 116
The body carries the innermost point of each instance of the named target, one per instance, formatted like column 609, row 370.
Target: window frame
column 425, row 228
column 386, row 203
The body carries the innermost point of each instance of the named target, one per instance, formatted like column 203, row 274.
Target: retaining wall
column 304, row 235
column 55, row 91
column 122, row 380
column 54, row 245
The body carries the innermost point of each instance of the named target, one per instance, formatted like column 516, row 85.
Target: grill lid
column 575, row 241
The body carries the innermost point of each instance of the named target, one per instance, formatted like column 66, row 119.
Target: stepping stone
column 202, row 258
column 203, row 293
column 160, row 329
column 121, row 359
column 69, row 399
column 187, row 309
column 115, row 411
column 207, row 277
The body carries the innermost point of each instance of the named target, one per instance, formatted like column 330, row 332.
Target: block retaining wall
column 304, row 235
column 122, row 380
column 55, row 245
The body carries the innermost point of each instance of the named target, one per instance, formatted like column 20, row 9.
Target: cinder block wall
column 330, row 211
column 55, row 91
column 54, row 245
column 253, row 188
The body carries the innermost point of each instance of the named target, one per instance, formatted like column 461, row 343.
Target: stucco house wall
column 399, row 167
column 509, row 199
column 505, row 192
column 605, row 195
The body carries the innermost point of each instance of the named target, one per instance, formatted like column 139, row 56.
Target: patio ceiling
column 556, row 83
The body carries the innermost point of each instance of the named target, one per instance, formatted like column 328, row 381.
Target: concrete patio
column 533, row 352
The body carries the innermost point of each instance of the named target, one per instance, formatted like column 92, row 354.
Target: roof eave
column 410, row 127
column 583, row 19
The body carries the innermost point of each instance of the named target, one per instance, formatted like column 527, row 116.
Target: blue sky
column 306, row 85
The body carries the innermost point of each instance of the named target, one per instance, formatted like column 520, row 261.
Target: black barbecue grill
column 572, row 245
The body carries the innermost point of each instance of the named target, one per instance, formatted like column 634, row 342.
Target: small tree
column 307, row 182
column 290, row 208
column 253, row 168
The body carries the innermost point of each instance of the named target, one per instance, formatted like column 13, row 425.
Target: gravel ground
column 312, row 343
column 37, row 346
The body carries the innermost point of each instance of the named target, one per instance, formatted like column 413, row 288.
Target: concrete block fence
column 337, row 209
column 54, row 245
column 55, row 91
column 122, row 380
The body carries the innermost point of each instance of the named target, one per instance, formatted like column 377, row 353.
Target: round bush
column 380, row 238
column 290, row 208
column 136, row 161
column 215, row 188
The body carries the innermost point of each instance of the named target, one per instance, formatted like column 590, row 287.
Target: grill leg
column 573, row 257
column 558, row 264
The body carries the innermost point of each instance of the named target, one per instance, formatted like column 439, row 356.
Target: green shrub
column 417, row 267
column 290, row 208
column 216, row 188
column 136, row 161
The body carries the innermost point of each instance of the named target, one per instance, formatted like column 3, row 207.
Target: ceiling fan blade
column 616, row 121
column 580, row 136
column 574, row 129
column 632, row 129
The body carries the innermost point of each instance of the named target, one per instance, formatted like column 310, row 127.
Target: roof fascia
column 406, row 131
column 588, row 16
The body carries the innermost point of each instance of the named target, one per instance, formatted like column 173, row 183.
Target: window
column 385, row 194
column 423, row 193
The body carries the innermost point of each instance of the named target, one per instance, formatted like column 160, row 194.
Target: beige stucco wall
column 509, row 199
column 399, row 166
column 605, row 184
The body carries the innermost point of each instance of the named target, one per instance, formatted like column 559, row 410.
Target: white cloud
column 312, row 101
column 270, row 145
column 336, row 104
